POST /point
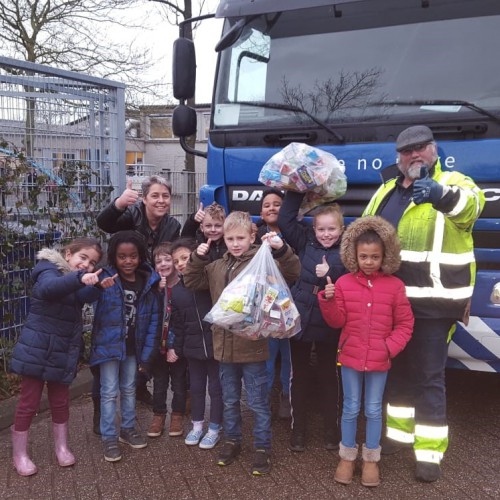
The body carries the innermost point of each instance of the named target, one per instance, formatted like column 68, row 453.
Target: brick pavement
column 169, row 469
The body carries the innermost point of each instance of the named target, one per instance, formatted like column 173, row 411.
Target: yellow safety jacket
column 437, row 251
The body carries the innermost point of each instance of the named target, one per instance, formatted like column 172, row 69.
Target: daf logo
column 491, row 194
column 243, row 195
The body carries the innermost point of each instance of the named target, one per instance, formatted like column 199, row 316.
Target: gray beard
column 414, row 171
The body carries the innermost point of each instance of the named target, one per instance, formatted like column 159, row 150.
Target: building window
column 160, row 127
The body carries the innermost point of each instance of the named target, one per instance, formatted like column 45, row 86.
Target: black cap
column 418, row 134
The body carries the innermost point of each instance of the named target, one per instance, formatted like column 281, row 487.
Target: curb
column 81, row 385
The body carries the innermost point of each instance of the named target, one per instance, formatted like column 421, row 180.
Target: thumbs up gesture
column 128, row 197
column 109, row 281
column 163, row 283
column 425, row 189
column 203, row 248
column 200, row 214
column 329, row 288
column 91, row 279
column 323, row 268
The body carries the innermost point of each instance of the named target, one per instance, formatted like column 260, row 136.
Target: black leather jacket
column 112, row 220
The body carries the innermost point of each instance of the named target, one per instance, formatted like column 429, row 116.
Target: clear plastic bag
column 306, row 169
column 258, row 302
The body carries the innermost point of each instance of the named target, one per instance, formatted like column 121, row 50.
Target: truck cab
column 347, row 77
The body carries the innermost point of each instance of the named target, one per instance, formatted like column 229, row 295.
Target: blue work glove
column 426, row 190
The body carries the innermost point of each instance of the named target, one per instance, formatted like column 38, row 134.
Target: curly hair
column 133, row 237
column 216, row 211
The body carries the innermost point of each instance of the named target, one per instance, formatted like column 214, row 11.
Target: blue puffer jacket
column 50, row 341
column 306, row 288
column 109, row 329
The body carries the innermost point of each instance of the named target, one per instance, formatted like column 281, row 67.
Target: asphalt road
column 169, row 469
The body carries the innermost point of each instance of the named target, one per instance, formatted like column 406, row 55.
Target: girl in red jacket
column 371, row 307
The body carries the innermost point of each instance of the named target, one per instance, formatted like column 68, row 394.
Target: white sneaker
column 210, row 439
column 193, row 438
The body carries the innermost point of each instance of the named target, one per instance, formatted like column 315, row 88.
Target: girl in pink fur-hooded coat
column 371, row 307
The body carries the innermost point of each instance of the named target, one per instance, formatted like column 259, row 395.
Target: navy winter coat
column 306, row 288
column 193, row 336
column 109, row 329
column 49, row 345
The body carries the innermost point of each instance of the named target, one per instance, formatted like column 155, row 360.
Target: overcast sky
column 159, row 38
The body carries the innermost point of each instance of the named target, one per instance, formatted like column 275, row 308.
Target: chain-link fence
column 62, row 151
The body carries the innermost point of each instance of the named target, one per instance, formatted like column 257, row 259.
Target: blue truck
column 347, row 76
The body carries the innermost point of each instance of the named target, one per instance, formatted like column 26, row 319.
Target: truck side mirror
column 184, row 122
column 184, row 69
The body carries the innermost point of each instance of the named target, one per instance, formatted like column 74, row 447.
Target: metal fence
column 185, row 186
column 54, row 124
column 60, row 124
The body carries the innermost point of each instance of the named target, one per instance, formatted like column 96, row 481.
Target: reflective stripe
column 462, row 201
column 436, row 250
column 431, row 431
column 451, row 259
column 400, row 411
column 439, row 293
column 431, row 456
column 400, row 436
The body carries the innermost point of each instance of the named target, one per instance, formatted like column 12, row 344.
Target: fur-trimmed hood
column 386, row 231
column 55, row 257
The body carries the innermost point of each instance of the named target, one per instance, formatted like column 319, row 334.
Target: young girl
column 49, row 345
column 124, row 333
column 376, row 319
column 318, row 250
column 193, row 341
column 272, row 200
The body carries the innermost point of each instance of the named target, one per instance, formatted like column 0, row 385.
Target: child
column 207, row 224
column 193, row 340
column 124, row 335
column 272, row 199
column 165, row 372
column 48, row 348
column 240, row 358
column 318, row 251
column 376, row 319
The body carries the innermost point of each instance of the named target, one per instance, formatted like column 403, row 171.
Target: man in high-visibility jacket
column 434, row 212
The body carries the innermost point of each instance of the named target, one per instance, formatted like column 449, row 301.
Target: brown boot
column 157, row 425
column 176, row 424
column 345, row 468
column 370, row 475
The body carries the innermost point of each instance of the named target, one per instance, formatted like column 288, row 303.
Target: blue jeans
column 283, row 347
column 254, row 377
column 352, row 383
column 117, row 376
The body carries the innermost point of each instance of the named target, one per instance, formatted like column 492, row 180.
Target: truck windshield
column 345, row 66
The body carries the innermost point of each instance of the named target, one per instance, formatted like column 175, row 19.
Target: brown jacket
column 201, row 274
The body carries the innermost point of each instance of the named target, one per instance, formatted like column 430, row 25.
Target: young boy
column 208, row 224
column 239, row 357
column 166, row 371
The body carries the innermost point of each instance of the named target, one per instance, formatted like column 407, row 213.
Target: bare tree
column 73, row 35
column 175, row 12
column 347, row 90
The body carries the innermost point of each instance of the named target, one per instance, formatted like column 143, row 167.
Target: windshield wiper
column 440, row 102
column 288, row 107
